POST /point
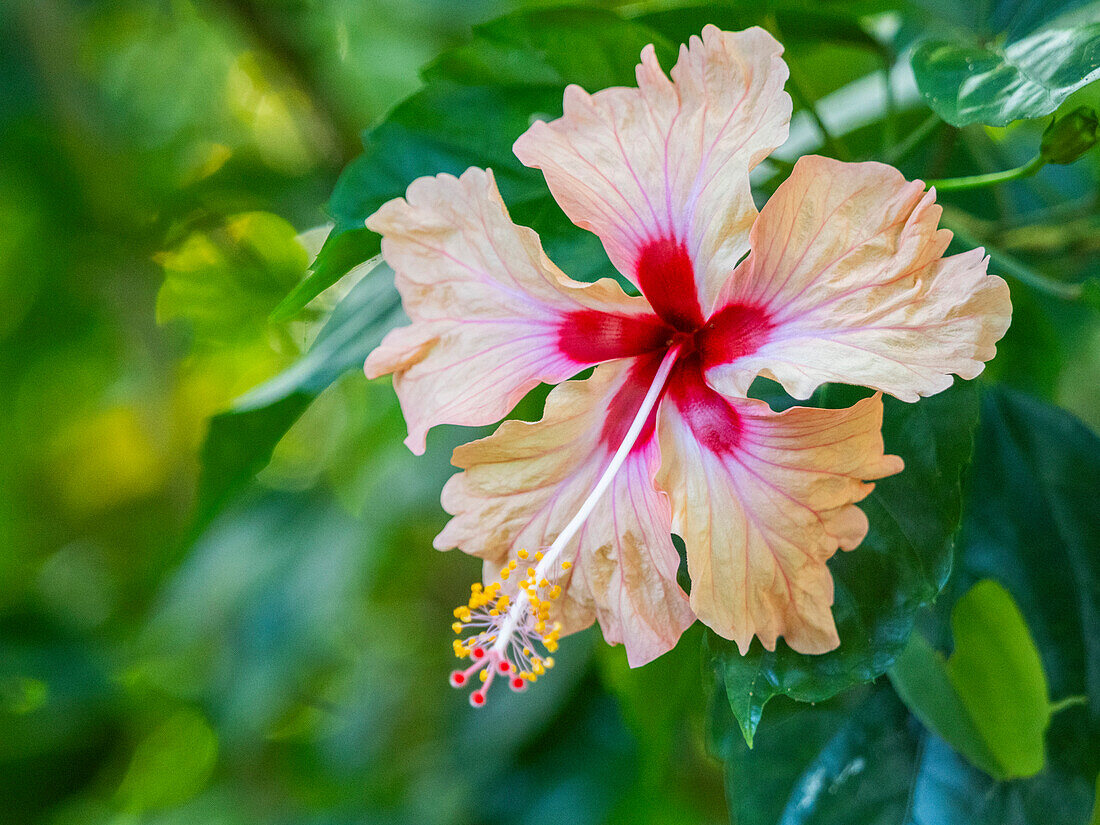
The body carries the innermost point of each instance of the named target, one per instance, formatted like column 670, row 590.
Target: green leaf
column 477, row 100
column 1032, row 524
column 861, row 759
column 996, row 672
column 970, row 80
column 344, row 252
column 171, row 765
column 900, row 567
column 989, row 699
column 921, row 680
column 240, row 441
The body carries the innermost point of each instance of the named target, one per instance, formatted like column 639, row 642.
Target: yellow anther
column 483, row 675
column 503, row 602
column 531, row 573
column 555, row 591
column 565, row 565
column 522, row 554
column 457, row 627
column 504, row 571
column 494, row 612
column 512, row 564
column 475, row 587
column 544, row 583
column 548, row 661
column 538, row 556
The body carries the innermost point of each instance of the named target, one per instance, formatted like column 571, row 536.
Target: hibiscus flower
column 839, row 278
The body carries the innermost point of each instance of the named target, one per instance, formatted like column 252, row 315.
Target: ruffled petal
column 762, row 501
column 522, row 485
column 660, row 172
column 492, row 316
column 847, row 273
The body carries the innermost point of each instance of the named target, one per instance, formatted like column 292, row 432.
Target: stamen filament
column 550, row 557
column 507, row 632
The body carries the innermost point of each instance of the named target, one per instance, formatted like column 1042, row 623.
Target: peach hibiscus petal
column 660, row 172
column 762, row 501
column 522, row 484
column 847, row 267
column 492, row 317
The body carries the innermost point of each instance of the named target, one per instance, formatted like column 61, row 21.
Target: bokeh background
column 181, row 648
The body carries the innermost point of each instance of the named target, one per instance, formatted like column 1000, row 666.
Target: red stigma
column 477, row 699
column 479, row 653
column 518, row 684
column 458, row 678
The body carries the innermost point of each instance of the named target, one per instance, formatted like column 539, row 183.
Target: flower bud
column 1069, row 137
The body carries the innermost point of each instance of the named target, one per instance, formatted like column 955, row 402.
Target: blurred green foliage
column 218, row 602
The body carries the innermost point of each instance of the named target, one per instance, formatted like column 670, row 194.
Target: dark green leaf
column 1033, row 525
column 590, row 47
column 239, row 445
column 969, row 80
column 343, row 253
column 478, row 99
column 861, row 759
column 900, row 566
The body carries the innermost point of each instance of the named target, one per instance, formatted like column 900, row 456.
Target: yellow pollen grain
column 565, row 565
column 522, row 554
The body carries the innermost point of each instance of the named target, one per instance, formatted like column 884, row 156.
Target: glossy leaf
column 861, row 758
column 900, row 567
column 970, row 81
column 1032, row 524
column 478, row 99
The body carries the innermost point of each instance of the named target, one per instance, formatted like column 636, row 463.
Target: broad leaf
column 970, row 80
column 920, row 678
column 478, row 99
column 989, row 699
column 1030, row 522
column 900, row 566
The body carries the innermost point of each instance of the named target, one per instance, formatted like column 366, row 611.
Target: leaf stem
column 990, row 179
